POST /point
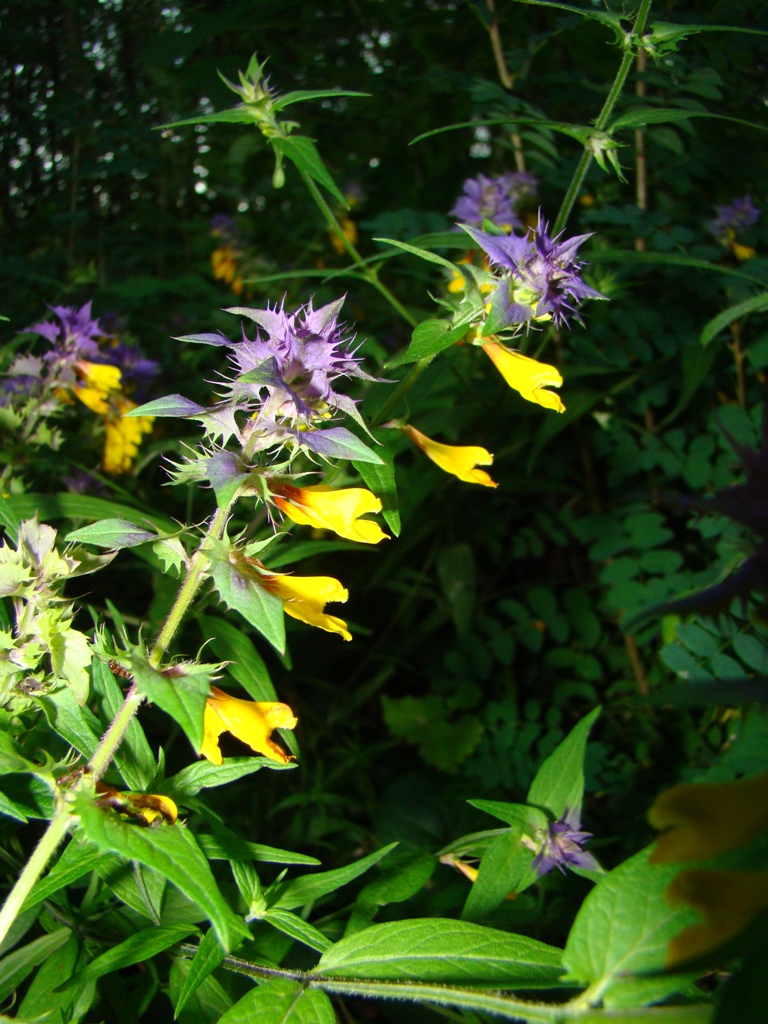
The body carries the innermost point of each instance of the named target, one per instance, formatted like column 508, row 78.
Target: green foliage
column 533, row 656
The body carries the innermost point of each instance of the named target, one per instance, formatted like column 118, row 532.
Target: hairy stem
column 603, row 119
column 34, row 867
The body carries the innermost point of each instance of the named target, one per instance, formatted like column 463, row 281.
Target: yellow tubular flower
column 328, row 509
column 707, row 819
column 123, row 436
column 459, row 460
column 248, row 720
column 99, row 381
column 305, row 598
column 527, row 376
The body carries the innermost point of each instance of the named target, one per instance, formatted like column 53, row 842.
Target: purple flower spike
column 487, row 199
column 734, row 217
column 543, row 273
column 74, row 337
column 562, row 845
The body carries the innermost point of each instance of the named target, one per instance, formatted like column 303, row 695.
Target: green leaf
column 228, row 846
column 381, row 480
column 299, row 929
column 205, row 775
column 429, row 338
column 208, row 957
column 82, row 506
column 41, row 1000
column 172, row 851
column 299, row 95
column 229, row 643
column 402, row 876
column 298, row 892
column 281, row 1002
column 632, row 899
column 755, row 304
column 696, row 364
column 423, row 254
column 639, row 116
column 559, row 783
column 181, row 696
column 235, row 115
column 15, row 967
column 504, row 864
column 137, row 948
column 78, row 726
column 239, row 589
column 78, row 858
column 651, row 1015
column 134, row 758
column 436, row 949
column 112, row 533
column 303, row 152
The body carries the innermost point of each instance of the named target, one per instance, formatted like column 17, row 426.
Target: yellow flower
column 707, row 819
column 527, row 376
column 248, row 720
column 328, row 509
column 305, row 598
column 148, row 808
column 99, row 381
column 349, row 230
column 727, row 900
column 742, row 252
column 123, row 436
column 459, row 460
column 100, row 392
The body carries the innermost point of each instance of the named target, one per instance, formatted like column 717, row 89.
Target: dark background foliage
column 495, row 621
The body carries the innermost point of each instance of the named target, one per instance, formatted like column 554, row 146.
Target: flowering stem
column 600, row 124
column 34, row 867
column 401, row 390
column 368, row 273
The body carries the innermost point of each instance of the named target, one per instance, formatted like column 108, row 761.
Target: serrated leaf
column 208, row 957
column 632, row 899
column 755, row 304
column 303, row 152
column 78, row 726
column 112, row 533
column 297, row 892
column 559, row 783
column 281, row 1002
column 173, row 852
column 299, row 929
column 338, row 443
column 181, row 696
column 242, row 593
column 442, row 950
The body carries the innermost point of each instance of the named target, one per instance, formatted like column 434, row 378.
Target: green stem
column 368, row 273
column 188, row 589
column 113, row 737
column 34, row 867
column 600, row 124
column 402, row 389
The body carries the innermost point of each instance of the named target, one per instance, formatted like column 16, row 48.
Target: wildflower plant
column 296, row 431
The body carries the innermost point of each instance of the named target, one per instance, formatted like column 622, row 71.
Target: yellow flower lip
column 100, row 392
column 459, row 460
column 248, row 720
column 527, row 376
column 305, row 598
column 328, row 509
